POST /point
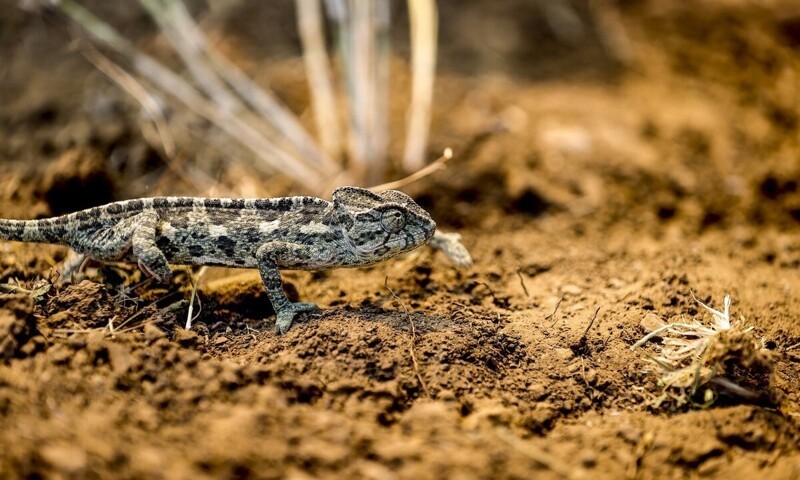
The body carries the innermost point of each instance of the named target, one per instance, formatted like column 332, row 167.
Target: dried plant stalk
column 311, row 27
column 272, row 156
column 423, row 17
column 709, row 358
column 220, row 92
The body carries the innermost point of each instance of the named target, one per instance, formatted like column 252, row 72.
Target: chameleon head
column 381, row 225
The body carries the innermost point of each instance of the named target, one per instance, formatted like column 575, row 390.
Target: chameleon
column 357, row 228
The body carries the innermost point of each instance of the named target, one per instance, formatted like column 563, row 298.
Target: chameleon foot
column 287, row 313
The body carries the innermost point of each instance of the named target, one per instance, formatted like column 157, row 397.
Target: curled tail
column 47, row 230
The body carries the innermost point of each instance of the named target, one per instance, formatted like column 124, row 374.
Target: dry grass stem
column 251, row 115
column 195, row 283
column 423, row 17
column 310, row 24
column 411, row 350
column 435, row 166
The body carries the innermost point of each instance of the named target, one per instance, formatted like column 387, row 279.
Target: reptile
column 357, row 228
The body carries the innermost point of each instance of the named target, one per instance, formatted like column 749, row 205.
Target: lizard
column 357, row 228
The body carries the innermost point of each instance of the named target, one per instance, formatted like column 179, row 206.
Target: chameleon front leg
column 269, row 257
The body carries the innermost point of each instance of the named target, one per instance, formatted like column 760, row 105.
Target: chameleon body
column 297, row 233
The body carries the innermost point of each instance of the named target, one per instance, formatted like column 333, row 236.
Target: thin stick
column 591, row 322
column 522, row 282
column 423, row 17
column 149, row 104
column 320, row 81
column 413, row 338
column 154, row 321
column 270, row 154
column 491, row 291
column 436, row 165
column 261, row 100
column 552, row 315
column 195, row 283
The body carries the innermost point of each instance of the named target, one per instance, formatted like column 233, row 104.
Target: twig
column 423, row 19
column 436, row 165
column 136, row 315
column 552, row 315
column 491, row 292
column 195, row 282
column 413, row 337
column 312, row 35
column 140, row 312
column 591, row 322
column 152, row 321
column 270, row 154
column 522, row 282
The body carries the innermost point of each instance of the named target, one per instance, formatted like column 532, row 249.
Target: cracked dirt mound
column 591, row 197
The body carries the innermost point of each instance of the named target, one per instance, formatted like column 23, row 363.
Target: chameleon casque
column 297, row 233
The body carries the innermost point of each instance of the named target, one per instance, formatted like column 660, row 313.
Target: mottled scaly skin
column 297, row 233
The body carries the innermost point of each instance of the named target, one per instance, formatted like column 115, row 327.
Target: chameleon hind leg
column 135, row 235
column 71, row 268
column 269, row 256
column 150, row 258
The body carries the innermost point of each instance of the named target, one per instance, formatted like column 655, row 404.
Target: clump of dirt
column 739, row 358
column 18, row 328
column 86, row 305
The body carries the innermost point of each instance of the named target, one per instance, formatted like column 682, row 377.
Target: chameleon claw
column 286, row 316
column 160, row 278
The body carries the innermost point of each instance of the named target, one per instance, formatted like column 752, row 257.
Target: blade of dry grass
column 271, row 156
column 379, row 91
column 361, row 32
column 436, row 165
column 184, row 37
column 311, row 27
column 361, row 50
column 423, row 17
column 278, row 117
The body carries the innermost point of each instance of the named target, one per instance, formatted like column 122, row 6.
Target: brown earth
column 604, row 184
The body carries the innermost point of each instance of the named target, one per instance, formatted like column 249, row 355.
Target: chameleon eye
column 393, row 220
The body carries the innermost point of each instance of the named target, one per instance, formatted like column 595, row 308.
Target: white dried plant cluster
column 682, row 359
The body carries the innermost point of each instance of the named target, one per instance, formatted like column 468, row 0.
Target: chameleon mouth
column 396, row 244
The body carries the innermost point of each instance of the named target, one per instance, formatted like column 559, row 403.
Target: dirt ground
column 598, row 179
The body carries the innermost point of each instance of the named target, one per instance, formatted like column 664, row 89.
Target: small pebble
column 651, row 322
column 571, row 289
